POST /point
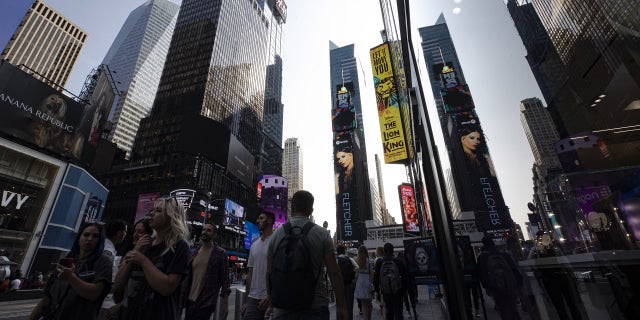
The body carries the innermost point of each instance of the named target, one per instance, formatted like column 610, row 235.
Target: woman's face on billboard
column 471, row 141
column 345, row 159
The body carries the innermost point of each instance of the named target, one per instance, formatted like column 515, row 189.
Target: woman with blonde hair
column 154, row 269
column 364, row 284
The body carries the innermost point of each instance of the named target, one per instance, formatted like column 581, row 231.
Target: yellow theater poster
column 391, row 129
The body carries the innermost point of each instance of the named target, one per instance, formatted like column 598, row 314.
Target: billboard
column 233, row 213
column 457, row 99
column 36, row 113
column 345, row 184
column 146, row 203
column 240, row 161
column 480, row 185
column 343, row 116
column 391, row 127
column 408, row 207
column 421, row 257
column 252, row 234
column 272, row 196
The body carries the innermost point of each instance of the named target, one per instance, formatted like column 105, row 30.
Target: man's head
column 340, row 249
column 379, row 251
column 116, row 231
column 302, row 202
column 388, row 249
column 208, row 232
column 266, row 220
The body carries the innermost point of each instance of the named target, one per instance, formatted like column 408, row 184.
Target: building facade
column 292, row 168
column 540, row 131
column 273, row 117
column 46, row 43
column 136, row 58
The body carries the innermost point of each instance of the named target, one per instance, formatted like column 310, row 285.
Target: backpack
column 498, row 273
column 390, row 280
column 346, row 268
column 292, row 281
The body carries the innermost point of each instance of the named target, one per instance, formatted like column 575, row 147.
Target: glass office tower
column 136, row 58
column 205, row 128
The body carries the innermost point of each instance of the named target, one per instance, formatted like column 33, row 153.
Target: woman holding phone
column 81, row 281
column 154, row 269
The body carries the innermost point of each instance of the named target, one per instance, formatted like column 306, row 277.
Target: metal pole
column 442, row 226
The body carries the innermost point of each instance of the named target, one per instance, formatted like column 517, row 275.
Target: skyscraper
column 271, row 163
column 47, row 43
column 590, row 77
column 353, row 193
column 137, row 56
column 292, row 168
column 205, row 129
column 540, row 131
column 384, row 212
column 474, row 177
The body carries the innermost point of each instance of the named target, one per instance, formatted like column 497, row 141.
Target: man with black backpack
column 390, row 279
column 297, row 252
column 348, row 268
column 500, row 278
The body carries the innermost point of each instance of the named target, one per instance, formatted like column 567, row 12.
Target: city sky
column 490, row 52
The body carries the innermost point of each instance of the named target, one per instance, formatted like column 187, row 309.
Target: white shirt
column 15, row 284
column 258, row 261
column 110, row 250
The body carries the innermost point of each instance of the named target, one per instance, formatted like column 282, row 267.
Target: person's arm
column 120, row 283
column 89, row 291
column 336, row 282
column 37, row 310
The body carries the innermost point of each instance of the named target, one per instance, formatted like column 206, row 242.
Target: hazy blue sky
column 487, row 43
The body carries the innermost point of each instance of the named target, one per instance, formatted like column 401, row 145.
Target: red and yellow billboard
column 391, row 128
column 409, row 210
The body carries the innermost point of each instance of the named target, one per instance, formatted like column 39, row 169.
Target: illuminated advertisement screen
column 345, row 184
column 409, row 210
column 252, row 234
column 343, row 116
column 391, row 128
column 39, row 115
column 233, row 213
column 146, row 203
column 481, row 184
column 272, row 197
column 422, row 260
column 457, row 99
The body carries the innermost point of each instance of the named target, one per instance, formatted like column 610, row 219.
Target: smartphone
column 67, row 262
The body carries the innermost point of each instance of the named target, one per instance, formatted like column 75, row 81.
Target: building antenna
column 342, row 88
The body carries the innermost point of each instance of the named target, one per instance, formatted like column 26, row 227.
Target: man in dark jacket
column 392, row 300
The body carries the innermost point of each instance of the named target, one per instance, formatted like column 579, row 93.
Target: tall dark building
column 272, row 151
column 473, row 174
column 205, row 132
column 353, row 197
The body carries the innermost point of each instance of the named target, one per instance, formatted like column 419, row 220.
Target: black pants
column 194, row 312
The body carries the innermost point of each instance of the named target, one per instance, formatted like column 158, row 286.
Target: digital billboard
column 391, row 127
column 252, row 234
column 457, row 99
column 408, row 207
column 233, row 213
column 146, row 203
column 343, row 115
column 421, row 257
column 36, row 113
column 345, row 184
column 272, row 196
column 481, row 184
column 240, row 162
